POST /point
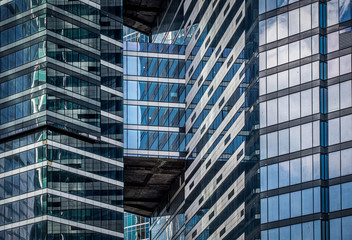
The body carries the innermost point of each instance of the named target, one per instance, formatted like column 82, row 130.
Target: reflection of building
column 267, row 124
column 136, row 227
column 305, row 119
column 61, row 170
column 130, row 35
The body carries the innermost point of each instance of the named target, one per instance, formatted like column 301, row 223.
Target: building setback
column 61, row 101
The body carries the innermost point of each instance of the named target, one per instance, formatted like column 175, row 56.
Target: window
column 294, row 22
column 307, row 201
column 334, row 131
column 295, row 204
column 305, row 18
column 284, row 141
column 307, row 169
column 295, row 106
column 346, row 162
column 284, row 208
column 346, row 128
column 272, row 176
column 295, row 171
column 333, row 42
column 283, row 109
column 273, row 214
column 344, row 10
column 335, row 229
column 282, row 25
column 332, row 12
column 345, row 96
column 271, row 29
column 335, row 198
column 272, row 144
column 333, row 98
column 284, row 174
column 272, row 112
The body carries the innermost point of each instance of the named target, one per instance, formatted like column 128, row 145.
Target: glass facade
column 250, row 100
column 154, row 95
column 267, row 120
column 61, row 120
column 136, row 227
column 305, row 68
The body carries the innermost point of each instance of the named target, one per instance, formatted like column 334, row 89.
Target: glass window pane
column 295, row 171
column 294, row 22
column 333, row 68
column 282, row 21
column 295, row 139
column 272, row 112
column 271, row 28
column 283, row 54
column 345, row 10
column 346, row 190
column 332, row 12
column 333, row 97
column 345, row 96
column 307, row 169
column 295, row 204
column 296, row 232
column 284, row 208
column 307, row 229
column 334, row 164
column 335, row 229
column 345, row 64
column 333, row 42
column 284, row 141
column 285, row 232
column 334, row 131
column 273, row 213
column 283, row 80
column 335, row 198
column 273, row 176
column 346, row 162
column 307, row 201
column 346, row 227
column 305, row 18
column 272, row 144
column 271, row 83
column 263, row 179
column 294, row 51
column 307, row 136
column 271, row 58
column 264, row 210
column 284, row 174
column 346, row 128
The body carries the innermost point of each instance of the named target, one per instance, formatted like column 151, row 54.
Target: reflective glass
column 346, row 162
column 335, row 198
column 284, row 208
column 295, row 171
column 284, row 174
column 335, row 229
column 272, row 176
column 273, row 213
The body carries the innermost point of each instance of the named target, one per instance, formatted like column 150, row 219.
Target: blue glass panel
column 346, row 227
column 345, row 10
column 335, row 229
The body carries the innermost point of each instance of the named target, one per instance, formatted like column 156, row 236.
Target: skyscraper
column 237, row 119
column 61, row 120
column 305, row 72
column 267, row 120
